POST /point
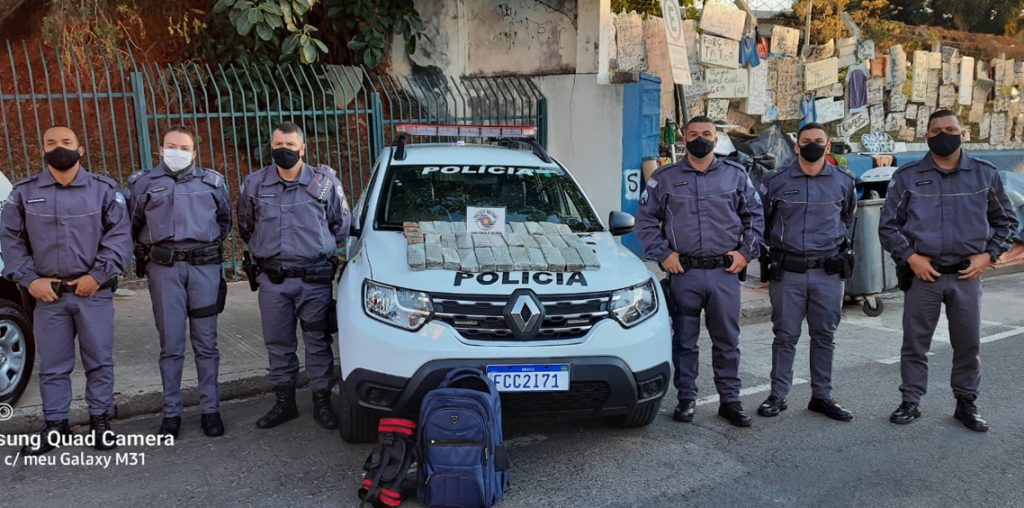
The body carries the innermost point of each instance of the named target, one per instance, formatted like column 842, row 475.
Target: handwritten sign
column 723, row 20
column 719, row 51
column 966, row 80
column 675, row 34
column 785, row 40
column 820, row 52
column 876, row 91
column 947, row 96
column 877, row 116
column 897, row 70
column 821, row 73
column 982, row 89
column 922, row 121
column 847, row 52
column 919, row 77
column 985, row 126
column 726, row 83
column 829, row 110
column 911, row 112
column 853, row 123
column 785, row 84
column 866, row 49
column 878, row 142
column 931, row 95
column 934, row 60
column 906, row 134
column 718, row 109
column 897, row 102
column 755, row 103
column 997, row 132
column 629, row 42
column 947, row 73
column 894, row 122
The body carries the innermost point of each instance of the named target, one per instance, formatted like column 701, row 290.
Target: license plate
column 530, row 378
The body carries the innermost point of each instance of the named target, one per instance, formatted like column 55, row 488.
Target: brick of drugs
column 534, row 228
column 468, row 260
column 502, row 259
column 417, row 257
column 485, row 257
column 443, row 227
column 435, row 258
column 556, row 263
column 448, row 241
column 537, row 261
column 589, row 258
column 451, row 258
column 520, row 258
column 573, row 261
column 427, row 227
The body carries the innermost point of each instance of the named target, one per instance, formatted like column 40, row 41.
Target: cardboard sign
column 966, row 81
column 821, row 52
column 877, row 116
column 490, row 220
column 922, row 121
column 676, row 36
column 984, row 125
column 934, row 60
column 878, row 142
column 997, row 131
column 784, row 81
column 718, row 109
column 906, row 134
column 866, row 49
column 853, row 123
column 931, row 96
column 947, row 96
column 629, row 42
column 757, row 100
column 894, row 122
column 785, row 40
column 723, row 20
column 876, row 91
column 982, row 89
column 821, row 73
column 719, row 51
column 911, row 112
column 829, row 110
column 919, row 77
column 846, row 50
column 897, row 102
column 726, row 83
column 897, row 70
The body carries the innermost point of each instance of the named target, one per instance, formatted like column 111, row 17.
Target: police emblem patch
column 119, row 197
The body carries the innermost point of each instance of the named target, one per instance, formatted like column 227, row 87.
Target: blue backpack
column 462, row 461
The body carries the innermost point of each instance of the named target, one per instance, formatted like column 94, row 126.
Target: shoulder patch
column 652, row 183
column 136, row 175
column 212, row 178
column 119, row 197
column 321, row 186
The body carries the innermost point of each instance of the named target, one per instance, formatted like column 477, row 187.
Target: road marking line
column 748, row 391
column 984, row 340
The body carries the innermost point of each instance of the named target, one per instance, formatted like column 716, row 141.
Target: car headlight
column 632, row 305
column 396, row 306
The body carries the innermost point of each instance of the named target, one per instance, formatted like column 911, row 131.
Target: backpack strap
column 459, row 374
column 387, row 468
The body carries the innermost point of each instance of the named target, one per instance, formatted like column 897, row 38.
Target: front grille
column 582, row 396
column 482, row 317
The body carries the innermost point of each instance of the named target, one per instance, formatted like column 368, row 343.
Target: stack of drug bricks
column 523, row 246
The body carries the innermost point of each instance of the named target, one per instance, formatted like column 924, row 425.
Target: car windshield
column 442, row 193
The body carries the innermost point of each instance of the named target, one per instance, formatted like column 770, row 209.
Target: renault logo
column 524, row 313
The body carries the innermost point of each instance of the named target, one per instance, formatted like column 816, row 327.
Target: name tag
column 681, row 183
column 268, row 195
column 794, row 191
column 158, row 189
column 926, row 182
column 36, row 200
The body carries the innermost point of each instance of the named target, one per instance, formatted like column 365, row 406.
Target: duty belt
column 708, row 263
column 791, row 262
column 60, row 287
column 953, row 268
column 320, row 272
column 202, row 255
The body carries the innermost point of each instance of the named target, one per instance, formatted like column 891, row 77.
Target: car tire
column 17, row 351
column 642, row 415
column 357, row 424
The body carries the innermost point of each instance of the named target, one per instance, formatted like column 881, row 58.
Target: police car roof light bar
column 467, row 131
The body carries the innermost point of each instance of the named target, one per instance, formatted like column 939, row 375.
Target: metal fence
column 120, row 107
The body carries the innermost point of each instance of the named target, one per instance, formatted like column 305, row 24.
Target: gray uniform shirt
column 178, row 211
column 293, row 224
column 700, row 214
column 63, row 231
column 946, row 215
column 809, row 215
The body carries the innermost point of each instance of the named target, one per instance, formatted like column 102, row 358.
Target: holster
column 764, row 261
column 904, row 276
column 841, row 264
column 216, row 308
column 251, row 270
column 666, row 286
column 322, row 272
column 141, row 259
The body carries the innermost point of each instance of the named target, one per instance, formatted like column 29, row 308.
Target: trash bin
column 874, row 271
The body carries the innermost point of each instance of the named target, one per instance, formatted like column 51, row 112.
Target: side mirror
column 620, row 223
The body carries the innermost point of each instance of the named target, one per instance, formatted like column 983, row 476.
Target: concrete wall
column 585, row 134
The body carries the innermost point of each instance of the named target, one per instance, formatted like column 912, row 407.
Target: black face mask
column 944, row 143
column 812, row 152
column 285, row 158
column 700, row 147
column 62, row 159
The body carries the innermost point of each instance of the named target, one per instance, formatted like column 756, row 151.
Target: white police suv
column 582, row 343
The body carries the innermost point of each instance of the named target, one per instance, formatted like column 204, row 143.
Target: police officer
column 946, row 220
column 809, row 211
column 293, row 216
column 702, row 219
column 66, row 239
column 180, row 215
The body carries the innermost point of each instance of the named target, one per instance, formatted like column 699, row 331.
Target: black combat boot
column 772, row 406
column 685, row 410
column 733, row 411
column 284, row 408
column 323, row 413
column 968, row 415
column 170, row 426
column 99, row 426
column 48, row 437
column 213, row 425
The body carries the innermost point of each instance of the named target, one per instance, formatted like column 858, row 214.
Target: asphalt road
column 797, row 459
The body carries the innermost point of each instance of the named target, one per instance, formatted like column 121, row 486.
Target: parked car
column 585, row 343
column 17, row 344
